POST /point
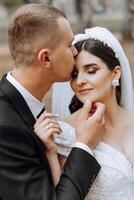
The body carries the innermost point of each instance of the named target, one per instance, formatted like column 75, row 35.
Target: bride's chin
column 87, row 98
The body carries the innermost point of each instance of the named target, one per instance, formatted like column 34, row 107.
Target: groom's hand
column 90, row 126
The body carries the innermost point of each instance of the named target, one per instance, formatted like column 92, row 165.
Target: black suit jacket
column 24, row 170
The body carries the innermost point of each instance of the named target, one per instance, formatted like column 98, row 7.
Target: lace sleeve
column 66, row 140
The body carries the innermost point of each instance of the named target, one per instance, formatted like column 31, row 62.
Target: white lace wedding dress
column 115, row 180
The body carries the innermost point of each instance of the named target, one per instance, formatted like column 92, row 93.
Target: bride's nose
column 81, row 79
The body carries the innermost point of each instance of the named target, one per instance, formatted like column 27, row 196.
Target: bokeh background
column 117, row 15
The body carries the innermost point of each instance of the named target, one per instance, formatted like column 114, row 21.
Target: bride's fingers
column 44, row 116
column 52, row 125
column 50, row 115
column 43, row 127
column 45, row 134
column 50, row 133
column 45, row 122
column 99, row 113
column 103, row 119
column 85, row 110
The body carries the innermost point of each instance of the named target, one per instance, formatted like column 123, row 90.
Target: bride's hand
column 90, row 126
column 44, row 128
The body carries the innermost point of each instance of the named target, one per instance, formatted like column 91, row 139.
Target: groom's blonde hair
column 32, row 27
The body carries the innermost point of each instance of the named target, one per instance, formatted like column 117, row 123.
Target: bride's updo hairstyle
column 106, row 54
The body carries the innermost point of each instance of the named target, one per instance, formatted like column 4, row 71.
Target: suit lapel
column 18, row 102
column 23, row 110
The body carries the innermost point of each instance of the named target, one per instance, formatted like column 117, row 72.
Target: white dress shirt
column 33, row 103
column 36, row 106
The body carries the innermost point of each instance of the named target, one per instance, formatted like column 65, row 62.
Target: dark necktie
column 43, row 109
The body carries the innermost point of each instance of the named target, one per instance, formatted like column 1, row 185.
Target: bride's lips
column 85, row 90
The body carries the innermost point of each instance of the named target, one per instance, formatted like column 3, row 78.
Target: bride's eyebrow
column 87, row 66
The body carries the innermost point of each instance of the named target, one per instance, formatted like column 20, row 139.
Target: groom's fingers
column 99, row 113
column 85, row 110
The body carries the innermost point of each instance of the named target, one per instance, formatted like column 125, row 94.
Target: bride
column 102, row 73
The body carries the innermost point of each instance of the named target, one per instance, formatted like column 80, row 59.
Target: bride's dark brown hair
column 106, row 54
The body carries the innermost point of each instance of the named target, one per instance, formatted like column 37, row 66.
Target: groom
column 40, row 42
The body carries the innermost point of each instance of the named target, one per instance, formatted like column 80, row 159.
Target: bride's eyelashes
column 75, row 73
column 92, row 71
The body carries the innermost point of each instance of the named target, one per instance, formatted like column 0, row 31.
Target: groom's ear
column 43, row 58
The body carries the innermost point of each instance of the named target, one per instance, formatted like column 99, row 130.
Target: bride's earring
column 115, row 83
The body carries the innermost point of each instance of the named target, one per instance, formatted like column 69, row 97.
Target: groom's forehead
column 65, row 28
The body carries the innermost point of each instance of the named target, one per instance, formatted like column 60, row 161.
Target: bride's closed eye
column 91, row 71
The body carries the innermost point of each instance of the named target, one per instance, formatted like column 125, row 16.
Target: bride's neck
column 114, row 113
